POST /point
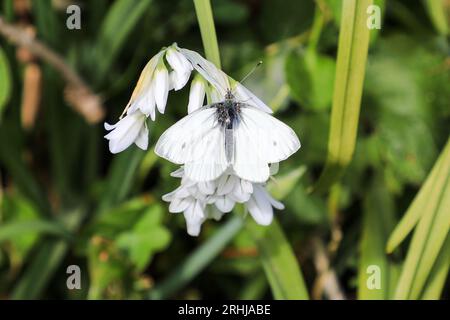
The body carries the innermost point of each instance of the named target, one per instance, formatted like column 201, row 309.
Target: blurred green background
column 65, row 200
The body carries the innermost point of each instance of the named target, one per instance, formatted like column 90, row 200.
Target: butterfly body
column 228, row 111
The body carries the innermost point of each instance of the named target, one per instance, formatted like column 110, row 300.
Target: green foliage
column 349, row 79
column 310, row 77
column 5, row 78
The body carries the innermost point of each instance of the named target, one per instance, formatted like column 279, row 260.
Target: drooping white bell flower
column 181, row 68
column 130, row 129
column 202, row 200
column 161, row 86
column 197, row 93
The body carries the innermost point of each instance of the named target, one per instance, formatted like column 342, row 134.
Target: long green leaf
column 348, row 85
column 121, row 176
column 439, row 13
column 10, row 230
column 438, row 275
column 279, row 262
column 120, row 20
column 5, row 81
column 207, row 30
column 430, row 233
column 378, row 222
column 415, row 210
column 198, row 260
column 47, row 260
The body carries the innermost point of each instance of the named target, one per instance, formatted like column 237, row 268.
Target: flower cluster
column 168, row 70
column 212, row 199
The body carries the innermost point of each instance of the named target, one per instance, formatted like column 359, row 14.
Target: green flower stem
column 207, row 30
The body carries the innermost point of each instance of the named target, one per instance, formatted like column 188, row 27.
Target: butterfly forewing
column 198, row 142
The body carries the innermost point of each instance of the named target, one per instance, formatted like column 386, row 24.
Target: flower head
column 131, row 129
column 212, row 199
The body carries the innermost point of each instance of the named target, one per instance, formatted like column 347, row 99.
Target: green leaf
column 5, row 79
column 438, row 275
column 278, row 260
column 146, row 238
column 281, row 186
column 439, row 12
column 47, row 260
column 36, row 226
column 378, row 222
column 348, row 85
column 121, row 177
column 207, row 30
column 431, row 231
column 120, row 20
column 310, row 77
column 198, row 260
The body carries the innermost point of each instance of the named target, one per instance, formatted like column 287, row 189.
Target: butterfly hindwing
column 261, row 139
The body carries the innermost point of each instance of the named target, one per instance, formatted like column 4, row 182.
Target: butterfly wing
column 198, row 142
column 261, row 139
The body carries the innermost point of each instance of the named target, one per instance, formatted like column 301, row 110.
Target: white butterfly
column 227, row 135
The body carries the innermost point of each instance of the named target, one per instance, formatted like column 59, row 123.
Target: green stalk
column 348, row 86
column 207, row 30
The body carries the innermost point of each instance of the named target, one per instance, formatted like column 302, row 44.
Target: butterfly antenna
column 251, row 71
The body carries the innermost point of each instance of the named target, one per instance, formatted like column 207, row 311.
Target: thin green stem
column 207, row 30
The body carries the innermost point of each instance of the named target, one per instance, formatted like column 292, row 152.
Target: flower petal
column 194, row 216
column 142, row 138
column 260, row 207
column 126, row 132
column 224, row 204
column 196, row 94
column 161, row 87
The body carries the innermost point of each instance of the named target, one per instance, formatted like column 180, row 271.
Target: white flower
column 197, row 93
column 143, row 97
column 202, row 200
column 181, row 68
column 161, row 86
column 131, row 129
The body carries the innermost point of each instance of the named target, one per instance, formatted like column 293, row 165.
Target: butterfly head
column 229, row 95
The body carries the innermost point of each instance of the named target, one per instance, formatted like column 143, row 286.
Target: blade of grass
column 436, row 280
column 429, row 235
column 207, row 30
column 439, row 12
column 198, row 260
column 121, row 176
column 350, row 69
column 415, row 210
column 278, row 260
column 378, row 222
column 120, row 20
column 5, row 76
column 23, row 177
column 10, row 230
column 47, row 260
